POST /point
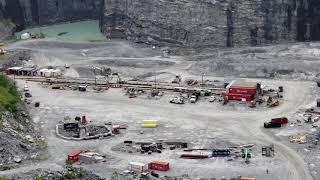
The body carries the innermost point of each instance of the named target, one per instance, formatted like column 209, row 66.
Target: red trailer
column 74, row 155
column 282, row 120
column 239, row 97
column 159, row 165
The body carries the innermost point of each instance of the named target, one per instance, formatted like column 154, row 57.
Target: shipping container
column 282, row 120
column 239, row 97
column 159, row 165
column 194, row 156
column 242, row 90
column 137, row 167
column 243, row 84
column 220, row 152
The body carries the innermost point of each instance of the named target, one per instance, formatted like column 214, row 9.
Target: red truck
column 282, row 120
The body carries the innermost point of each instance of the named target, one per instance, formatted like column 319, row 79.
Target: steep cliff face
column 201, row 22
column 192, row 23
column 51, row 11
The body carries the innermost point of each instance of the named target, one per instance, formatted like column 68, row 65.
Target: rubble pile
column 68, row 173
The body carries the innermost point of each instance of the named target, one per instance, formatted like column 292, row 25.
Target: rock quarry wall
column 212, row 22
column 193, row 23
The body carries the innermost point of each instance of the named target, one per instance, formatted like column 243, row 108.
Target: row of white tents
column 50, row 72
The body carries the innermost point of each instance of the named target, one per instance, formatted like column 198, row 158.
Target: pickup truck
column 193, row 99
column 177, row 100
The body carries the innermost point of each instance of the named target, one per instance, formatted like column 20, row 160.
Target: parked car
column 25, row 88
column 193, row 99
column 212, row 99
column 177, row 100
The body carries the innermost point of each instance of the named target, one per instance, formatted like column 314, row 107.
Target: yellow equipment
column 246, row 178
column 149, row 123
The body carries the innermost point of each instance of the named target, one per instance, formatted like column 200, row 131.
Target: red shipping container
column 159, row 165
column 74, row 155
column 242, row 90
column 239, row 97
column 282, row 120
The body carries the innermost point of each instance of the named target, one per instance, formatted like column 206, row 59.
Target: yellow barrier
column 150, row 122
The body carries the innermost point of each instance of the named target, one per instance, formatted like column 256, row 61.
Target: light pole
column 14, row 74
column 155, row 80
column 95, row 76
column 203, row 74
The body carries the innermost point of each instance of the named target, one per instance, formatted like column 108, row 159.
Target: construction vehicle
column 273, row 102
column 118, row 78
column 177, row 79
column 268, row 151
column 246, row 154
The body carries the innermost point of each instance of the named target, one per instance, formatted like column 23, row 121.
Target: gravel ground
column 201, row 124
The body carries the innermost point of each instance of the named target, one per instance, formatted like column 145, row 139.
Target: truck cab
column 272, row 125
column 193, row 99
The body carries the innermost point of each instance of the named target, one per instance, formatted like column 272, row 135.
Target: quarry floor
column 202, row 124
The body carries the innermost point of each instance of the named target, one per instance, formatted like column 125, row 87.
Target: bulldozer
column 272, row 102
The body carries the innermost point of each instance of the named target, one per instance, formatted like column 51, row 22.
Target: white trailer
column 138, row 167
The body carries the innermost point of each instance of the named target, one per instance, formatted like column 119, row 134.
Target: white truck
column 193, row 99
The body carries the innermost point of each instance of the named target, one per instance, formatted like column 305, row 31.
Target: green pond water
column 77, row 31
